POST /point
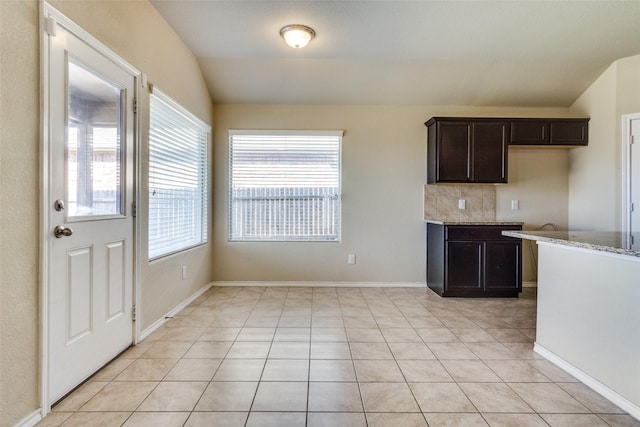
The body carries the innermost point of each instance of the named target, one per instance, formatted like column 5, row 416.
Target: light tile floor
column 296, row 356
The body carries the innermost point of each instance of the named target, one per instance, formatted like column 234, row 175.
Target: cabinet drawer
column 482, row 232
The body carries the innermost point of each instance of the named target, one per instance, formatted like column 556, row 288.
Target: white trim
column 328, row 284
column 31, row 420
column 152, row 328
column 529, row 284
column 179, row 109
column 603, row 253
column 171, row 313
column 594, row 384
column 44, row 216
column 48, row 12
column 626, row 171
column 75, row 29
column 286, row 132
column 141, row 86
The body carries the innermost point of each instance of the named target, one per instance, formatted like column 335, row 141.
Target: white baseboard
column 594, row 384
column 30, row 420
column 177, row 309
column 329, row 284
column 529, row 284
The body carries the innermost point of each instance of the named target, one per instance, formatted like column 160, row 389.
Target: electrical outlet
column 184, row 272
column 351, row 258
column 462, row 204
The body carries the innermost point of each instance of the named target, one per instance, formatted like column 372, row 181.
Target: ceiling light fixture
column 297, row 36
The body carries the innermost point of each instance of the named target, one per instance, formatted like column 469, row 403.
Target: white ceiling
column 482, row 52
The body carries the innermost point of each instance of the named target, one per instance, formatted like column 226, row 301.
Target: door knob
column 62, row 231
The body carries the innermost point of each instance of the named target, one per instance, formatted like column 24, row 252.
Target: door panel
column 91, row 152
column 116, row 280
column 78, row 293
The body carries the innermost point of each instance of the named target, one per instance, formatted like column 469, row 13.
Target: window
column 177, row 178
column 284, row 185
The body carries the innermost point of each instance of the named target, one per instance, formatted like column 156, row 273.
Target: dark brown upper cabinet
column 556, row 132
column 529, row 132
column 467, row 150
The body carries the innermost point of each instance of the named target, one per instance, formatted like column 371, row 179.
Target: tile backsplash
column 441, row 202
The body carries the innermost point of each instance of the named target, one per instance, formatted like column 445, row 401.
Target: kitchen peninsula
column 588, row 320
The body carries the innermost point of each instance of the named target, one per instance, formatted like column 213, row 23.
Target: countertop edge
column 532, row 235
column 441, row 222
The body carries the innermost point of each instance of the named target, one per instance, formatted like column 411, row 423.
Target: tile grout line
column 402, row 372
column 266, row 358
column 353, row 364
column 212, row 375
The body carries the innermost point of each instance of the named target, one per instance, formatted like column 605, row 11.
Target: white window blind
column 284, row 185
column 177, row 178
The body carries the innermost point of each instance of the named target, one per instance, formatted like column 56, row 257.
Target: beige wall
column 384, row 171
column 538, row 179
column 592, row 178
column 595, row 179
column 19, row 130
column 135, row 31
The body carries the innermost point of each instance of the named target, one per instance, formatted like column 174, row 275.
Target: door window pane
column 94, row 152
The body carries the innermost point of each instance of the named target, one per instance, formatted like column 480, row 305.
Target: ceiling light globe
column 297, row 36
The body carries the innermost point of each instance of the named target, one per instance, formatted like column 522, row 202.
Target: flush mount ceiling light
column 297, row 36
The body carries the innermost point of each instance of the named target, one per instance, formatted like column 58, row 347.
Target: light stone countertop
column 440, row 222
column 604, row 241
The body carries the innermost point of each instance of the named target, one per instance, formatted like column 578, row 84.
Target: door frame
column 50, row 20
column 626, row 171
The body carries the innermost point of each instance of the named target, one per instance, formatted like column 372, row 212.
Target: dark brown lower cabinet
column 473, row 261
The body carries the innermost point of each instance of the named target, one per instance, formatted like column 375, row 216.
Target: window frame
column 269, row 133
column 204, row 137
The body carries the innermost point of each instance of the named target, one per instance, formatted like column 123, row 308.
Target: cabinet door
column 502, row 261
column 464, row 268
column 529, row 132
column 490, row 152
column 570, row 132
column 454, row 152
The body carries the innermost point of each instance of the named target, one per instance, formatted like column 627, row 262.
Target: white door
column 90, row 187
column 634, row 184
